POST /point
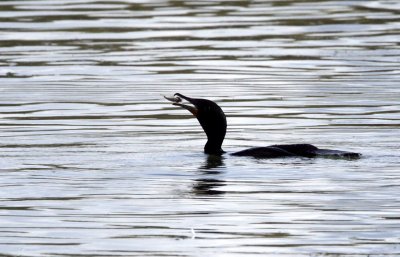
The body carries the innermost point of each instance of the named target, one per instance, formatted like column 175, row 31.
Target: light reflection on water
column 95, row 162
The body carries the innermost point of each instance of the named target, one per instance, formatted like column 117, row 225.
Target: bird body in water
column 213, row 121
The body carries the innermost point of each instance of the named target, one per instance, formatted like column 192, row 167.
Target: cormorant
column 213, row 121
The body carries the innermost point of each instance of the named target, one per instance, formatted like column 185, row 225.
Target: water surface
column 94, row 162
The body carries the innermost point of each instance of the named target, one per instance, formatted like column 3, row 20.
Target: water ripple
column 94, row 162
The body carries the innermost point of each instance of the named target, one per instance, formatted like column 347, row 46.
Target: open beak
column 177, row 99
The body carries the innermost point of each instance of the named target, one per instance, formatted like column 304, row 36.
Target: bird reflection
column 212, row 162
column 209, row 186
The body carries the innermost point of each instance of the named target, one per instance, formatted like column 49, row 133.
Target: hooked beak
column 177, row 99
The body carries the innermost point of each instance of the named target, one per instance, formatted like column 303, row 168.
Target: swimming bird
column 213, row 121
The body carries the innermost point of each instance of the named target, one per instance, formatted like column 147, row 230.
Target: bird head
column 211, row 118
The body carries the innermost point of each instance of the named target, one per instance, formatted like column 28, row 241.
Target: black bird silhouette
column 213, row 121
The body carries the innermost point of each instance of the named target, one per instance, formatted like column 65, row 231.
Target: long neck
column 213, row 147
column 213, row 122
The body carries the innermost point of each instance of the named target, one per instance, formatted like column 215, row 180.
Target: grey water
column 95, row 162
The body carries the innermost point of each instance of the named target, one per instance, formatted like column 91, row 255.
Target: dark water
column 94, row 162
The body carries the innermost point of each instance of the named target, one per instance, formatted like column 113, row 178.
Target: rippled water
column 94, row 162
